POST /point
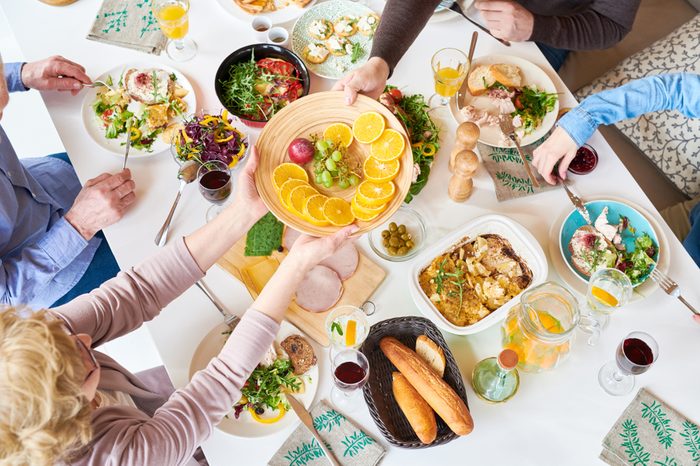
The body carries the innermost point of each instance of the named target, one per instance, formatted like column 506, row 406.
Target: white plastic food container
column 524, row 244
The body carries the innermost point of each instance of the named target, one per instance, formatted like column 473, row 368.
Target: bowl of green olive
column 401, row 237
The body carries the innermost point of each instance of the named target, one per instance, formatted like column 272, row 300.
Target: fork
column 99, row 83
column 508, row 129
column 670, row 287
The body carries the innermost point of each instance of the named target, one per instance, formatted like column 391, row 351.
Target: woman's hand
column 247, row 198
column 369, row 79
column 559, row 147
column 308, row 251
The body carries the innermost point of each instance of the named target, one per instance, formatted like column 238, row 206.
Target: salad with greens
column 265, row 386
column 636, row 264
column 531, row 106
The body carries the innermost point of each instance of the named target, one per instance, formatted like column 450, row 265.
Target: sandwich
column 483, row 77
column 591, row 251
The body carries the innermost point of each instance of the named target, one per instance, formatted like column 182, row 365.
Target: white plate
column 533, row 75
column 575, row 283
column 282, row 15
column 93, row 124
column 245, row 425
column 334, row 67
column 524, row 244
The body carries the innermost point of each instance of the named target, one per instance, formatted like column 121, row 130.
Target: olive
column 259, row 411
column 392, row 251
column 402, row 229
column 409, row 244
column 394, row 242
column 405, row 237
column 385, row 243
column 385, row 234
column 392, row 227
column 402, row 251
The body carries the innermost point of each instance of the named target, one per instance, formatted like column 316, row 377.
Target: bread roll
column 483, row 76
column 436, row 392
column 431, row 353
column 419, row 414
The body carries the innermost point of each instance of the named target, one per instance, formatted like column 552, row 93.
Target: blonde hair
column 43, row 414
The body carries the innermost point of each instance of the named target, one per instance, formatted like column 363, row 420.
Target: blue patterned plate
column 616, row 209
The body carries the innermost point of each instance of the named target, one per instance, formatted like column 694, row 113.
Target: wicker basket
column 378, row 392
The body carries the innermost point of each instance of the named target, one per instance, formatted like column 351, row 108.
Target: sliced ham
column 289, row 237
column 320, row 289
column 344, row 261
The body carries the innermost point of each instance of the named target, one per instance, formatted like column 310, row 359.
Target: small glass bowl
column 415, row 225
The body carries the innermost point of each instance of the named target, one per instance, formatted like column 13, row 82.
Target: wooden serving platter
column 356, row 289
column 311, row 115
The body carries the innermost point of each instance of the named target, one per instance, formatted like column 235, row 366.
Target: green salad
column 531, row 106
column 637, row 263
column 265, row 386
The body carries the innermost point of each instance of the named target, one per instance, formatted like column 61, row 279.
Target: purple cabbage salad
column 206, row 138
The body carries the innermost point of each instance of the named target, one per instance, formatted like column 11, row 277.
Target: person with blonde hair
column 61, row 401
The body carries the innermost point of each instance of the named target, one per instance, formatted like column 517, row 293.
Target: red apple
column 301, row 151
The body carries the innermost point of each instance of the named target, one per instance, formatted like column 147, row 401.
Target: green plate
column 334, row 67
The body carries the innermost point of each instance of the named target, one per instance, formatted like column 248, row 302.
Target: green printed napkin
column 350, row 445
column 130, row 24
column 508, row 172
column 651, row 433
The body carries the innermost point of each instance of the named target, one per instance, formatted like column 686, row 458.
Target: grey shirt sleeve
column 401, row 22
column 603, row 24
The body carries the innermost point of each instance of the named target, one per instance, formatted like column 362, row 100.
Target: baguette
column 436, row 392
column 419, row 414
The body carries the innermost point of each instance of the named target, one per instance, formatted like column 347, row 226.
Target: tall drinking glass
column 450, row 67
column 634, row 356
column 173, row 19
column 215, row 185
column 350, row 373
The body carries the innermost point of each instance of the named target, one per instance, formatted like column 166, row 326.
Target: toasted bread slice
column 431, row 353
column 320, row 29
column 315, row 53
column 300, row 352
column 591, row 250
column 150, row 86
column 345, row 26
column 484, row 76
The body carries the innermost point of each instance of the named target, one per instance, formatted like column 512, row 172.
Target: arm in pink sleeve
column 134, row 296
column 187, row 418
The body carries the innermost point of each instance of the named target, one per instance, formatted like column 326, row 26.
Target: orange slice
column 362, row 205
column 286, row 190
column 388, row 146
column 375, row 194
column 368, row 127
column 363, row 214
column 313, row 210
column 338, row 212
column 379, row 171
column 288, row 171
column 339, row 133
column 298, row 197
column 604, row 297
column 351, row 333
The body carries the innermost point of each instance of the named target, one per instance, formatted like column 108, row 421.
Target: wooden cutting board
column 357, row 289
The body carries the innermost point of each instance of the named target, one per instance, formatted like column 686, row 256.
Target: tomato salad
column 256, row 90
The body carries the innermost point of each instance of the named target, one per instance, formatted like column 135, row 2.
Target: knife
column 578, row 203
column 128, row 142
column 463, row 89
column 458, row 9
column 309, row 423
column 229, row 319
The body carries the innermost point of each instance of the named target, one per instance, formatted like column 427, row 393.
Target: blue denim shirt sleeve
column 13, row 77
column 663, row 92
column 22, row 277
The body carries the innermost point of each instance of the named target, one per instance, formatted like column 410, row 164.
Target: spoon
column 186, row 174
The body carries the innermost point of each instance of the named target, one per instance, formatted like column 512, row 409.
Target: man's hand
column 507, row 20
column 369, row 79
column 54, row 74
column 558, row 146
column 101, row 202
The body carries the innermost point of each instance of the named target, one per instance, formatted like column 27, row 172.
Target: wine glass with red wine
column 215, row 185
column 350, row 373
column 634, row 356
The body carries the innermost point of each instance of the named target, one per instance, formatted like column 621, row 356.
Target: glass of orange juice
column 173, row 19
column 450, row 67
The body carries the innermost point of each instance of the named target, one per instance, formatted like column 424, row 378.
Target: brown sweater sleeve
column 401, row 22
column 603, row 24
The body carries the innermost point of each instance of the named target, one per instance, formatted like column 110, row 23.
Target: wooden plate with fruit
column 325, row 164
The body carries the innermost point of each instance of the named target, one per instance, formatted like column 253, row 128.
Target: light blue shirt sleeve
column 13, row 77
column 23, row 277
column 678, row 91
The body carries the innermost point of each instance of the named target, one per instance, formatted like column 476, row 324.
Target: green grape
column 337, row 156
column 343, row 183
column 328, row 184
column 354, row 180
column 330, row 165
column 326, row 178
column 318, row 179
column 321, row 145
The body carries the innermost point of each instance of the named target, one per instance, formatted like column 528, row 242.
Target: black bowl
column 258, row 51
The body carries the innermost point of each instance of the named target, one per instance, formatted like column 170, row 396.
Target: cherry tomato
column 395, row 94
column 517, row 103
column 277, row 66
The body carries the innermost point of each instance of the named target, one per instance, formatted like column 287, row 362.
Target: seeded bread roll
column 436, row 392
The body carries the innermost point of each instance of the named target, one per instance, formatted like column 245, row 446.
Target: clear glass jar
column 541, row 329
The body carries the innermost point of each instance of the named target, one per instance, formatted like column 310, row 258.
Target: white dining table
column 558, row 417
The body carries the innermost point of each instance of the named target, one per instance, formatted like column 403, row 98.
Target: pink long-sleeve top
column 161, row 431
